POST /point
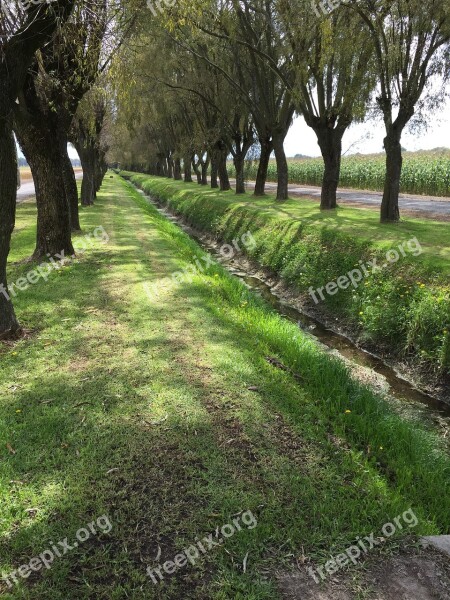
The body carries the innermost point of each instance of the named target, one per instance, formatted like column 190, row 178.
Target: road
column 423, row 206
column 27, row 190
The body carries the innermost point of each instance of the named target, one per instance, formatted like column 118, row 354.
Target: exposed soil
column 411, row 575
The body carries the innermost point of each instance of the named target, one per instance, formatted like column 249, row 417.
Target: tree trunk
column 239, row 163
column 330, row 142
column 177, row 170
column 101, row 168
column 169, row 167
column 87, row 158
column 198, row 173
column 214, row 170
column 394, row 161
column 205, row 166
column 261, row 177
column 187, row 170
column 9, row 326
column 70, row 183
column 37, row 137
column 282, row 167
column 223, row 171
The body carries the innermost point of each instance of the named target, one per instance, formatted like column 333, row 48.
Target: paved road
column 425, row 206
column 26, row 190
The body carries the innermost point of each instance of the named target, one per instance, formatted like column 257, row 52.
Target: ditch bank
column 395, row 318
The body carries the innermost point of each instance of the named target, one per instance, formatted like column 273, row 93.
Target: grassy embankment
column 141, row 409
column 425, row 173
column 403, row 308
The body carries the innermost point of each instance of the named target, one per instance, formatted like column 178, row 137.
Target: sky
column 367, row 138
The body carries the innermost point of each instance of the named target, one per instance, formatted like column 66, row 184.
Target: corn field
column 423, row 173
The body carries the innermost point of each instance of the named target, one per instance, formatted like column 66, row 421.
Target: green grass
column 140, row 409
column 423, row 172
column 403, row 309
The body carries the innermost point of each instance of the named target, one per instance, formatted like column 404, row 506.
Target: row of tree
column 213, row 79
column 53, row 60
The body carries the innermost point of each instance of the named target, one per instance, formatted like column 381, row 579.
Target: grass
column 403, row 309
column 120, row 405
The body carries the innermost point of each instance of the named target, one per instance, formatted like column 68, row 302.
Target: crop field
column 26, row 176
column 423, row 172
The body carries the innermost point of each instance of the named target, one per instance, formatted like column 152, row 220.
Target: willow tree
column 21, row 34
column 334, row 78
column 87, row 136
column 411, row 43
column 250, row 38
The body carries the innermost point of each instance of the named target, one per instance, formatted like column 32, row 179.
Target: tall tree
column 62, row 73
column 21, row 34
column 334, row 78
column 411, row 48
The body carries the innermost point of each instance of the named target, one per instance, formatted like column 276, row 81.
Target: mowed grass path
column 140, row 410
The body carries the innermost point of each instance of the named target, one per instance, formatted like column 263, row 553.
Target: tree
column 334, row 79
column 411, row 48
column 17, row 47
column 60, row 76
column 86, row 136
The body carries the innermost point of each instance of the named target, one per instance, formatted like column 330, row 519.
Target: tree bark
column 204, row 173
column 87, row 158
column 9, row 326
column 394, row 161
column 197, row 171
column 38, row 138
column 214, row 170
column 240, row 177
column 70, row 183
column 282, row 167
column 330, row 142
column 177, row 170
column 261, row 177
column 169, row 166
column 187, row 170
column 223, row 171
